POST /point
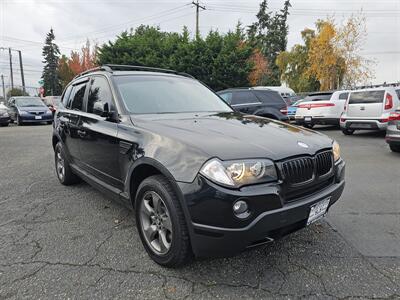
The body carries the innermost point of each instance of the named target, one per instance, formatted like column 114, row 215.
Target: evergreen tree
column 269, row 34
column 50, row 76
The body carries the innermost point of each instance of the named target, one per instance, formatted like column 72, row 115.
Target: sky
column 24, row 24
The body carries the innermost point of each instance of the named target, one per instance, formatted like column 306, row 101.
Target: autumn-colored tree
column 325, row 62
column 260, row 68
column 77, row 63
column 349, row 41
column 293, row 65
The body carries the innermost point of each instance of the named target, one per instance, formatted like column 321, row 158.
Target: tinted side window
column 243, row 97
column 270, row 97
column 227, row 97
column 367, row 97
column 343, row 96
column 66, row 95
column 99, row 92
column 77, row 101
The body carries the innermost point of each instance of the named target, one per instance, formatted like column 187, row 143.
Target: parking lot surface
column 60, row 242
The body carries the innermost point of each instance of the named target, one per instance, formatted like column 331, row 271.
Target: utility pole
column 198, row 6
column 22, row 70
column 4, row 89
column 11, row 70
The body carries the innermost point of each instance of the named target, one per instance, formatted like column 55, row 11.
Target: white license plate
column 38, row 117
column 307, row 119
column 318, row 210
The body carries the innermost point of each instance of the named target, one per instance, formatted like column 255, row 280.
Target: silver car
column 393, row 131
column 369, row 109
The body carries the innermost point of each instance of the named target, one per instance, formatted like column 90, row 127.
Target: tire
column 63, row 169
column 347, row 131
column 394, row 148
column 4, row 125
column 172, row 247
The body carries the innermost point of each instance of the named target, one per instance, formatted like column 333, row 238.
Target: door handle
column 82, row 133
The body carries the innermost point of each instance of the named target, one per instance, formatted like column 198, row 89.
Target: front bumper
column 364, row 124
column 33, row 118
column 215, row 231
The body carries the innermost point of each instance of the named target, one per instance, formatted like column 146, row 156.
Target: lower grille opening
column 307, row 191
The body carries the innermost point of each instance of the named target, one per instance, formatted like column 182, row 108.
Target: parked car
column 291, row 110
column 260, row 102
column 393, row 130
column 369, row 109
column 323, row 108
column 4, row 115
column 52, row 102
column 29, row 110
column 203, row 179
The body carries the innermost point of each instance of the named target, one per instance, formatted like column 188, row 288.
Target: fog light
column 240, row 207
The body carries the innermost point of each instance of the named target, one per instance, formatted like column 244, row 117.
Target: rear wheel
column 394, row 147
column 347, row 131
column 63, row 169
column 161, row 223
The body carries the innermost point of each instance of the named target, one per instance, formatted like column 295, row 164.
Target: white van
column 369, row 109
column 322, row 108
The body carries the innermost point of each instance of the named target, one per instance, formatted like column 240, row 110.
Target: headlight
column 23, row 112
column 239, row 172
column 336, row 151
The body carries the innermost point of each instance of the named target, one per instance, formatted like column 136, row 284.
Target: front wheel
column 394, row 148
column 347, row 131
column 19, row 122
column 161, row 223
column 308, row 125
column 4, row 125
column 63, row 169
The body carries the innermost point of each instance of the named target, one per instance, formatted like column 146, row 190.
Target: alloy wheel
column 60, row 165
column 156, row 223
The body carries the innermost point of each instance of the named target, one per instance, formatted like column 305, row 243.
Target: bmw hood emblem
column 303, row 145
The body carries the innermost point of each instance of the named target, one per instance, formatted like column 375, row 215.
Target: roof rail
column 111, row 67
column 144, row 68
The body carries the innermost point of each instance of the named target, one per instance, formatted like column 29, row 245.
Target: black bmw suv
column 203, row 180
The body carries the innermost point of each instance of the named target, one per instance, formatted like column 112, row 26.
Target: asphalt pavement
column 60, row 242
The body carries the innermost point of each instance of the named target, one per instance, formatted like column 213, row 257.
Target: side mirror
column 101, row 109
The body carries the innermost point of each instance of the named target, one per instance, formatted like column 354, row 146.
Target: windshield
column 29, row 102
column 151, row 94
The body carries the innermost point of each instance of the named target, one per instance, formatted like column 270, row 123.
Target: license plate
column 38, row 117
column 307, row 119
column 318, row 210
column 360, row 125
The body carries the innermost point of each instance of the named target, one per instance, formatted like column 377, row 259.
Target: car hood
column 234, row 135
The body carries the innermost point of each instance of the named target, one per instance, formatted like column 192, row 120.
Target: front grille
column 323, row 163
column 36, row 112
column 305, row 169
column 308, row 190
column 298, row 170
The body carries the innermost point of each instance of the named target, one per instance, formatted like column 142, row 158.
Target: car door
column 99, row 142
column 70, row 120
column 245, row 102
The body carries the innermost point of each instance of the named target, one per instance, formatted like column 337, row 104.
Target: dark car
column 203, row 180
column 4, row 115
column 393, row 130
column 260, row 102
column 29, row 110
